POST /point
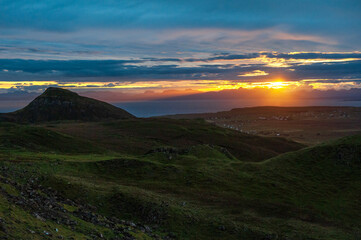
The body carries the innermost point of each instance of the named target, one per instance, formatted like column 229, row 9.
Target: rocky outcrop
column 46, row 204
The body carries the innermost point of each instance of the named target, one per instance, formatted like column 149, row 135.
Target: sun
column 278, row 84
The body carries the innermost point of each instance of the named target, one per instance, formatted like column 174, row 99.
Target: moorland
column 102, row 173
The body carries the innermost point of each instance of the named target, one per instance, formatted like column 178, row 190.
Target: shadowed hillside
column 139, row 136
column 60, row 104
column 32, row 138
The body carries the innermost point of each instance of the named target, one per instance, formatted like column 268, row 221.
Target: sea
column 160, row 108
column 170, row 107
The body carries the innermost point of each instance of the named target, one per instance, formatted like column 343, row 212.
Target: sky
column 138, row 50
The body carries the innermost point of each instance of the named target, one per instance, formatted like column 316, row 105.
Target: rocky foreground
column 46, row 204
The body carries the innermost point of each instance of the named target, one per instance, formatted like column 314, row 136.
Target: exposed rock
column 3, row 227
column 47, row 205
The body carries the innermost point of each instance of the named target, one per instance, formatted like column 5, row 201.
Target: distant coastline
column 167, row 107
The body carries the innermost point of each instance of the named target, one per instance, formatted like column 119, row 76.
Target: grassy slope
column 205, row 194
column 15, row 136
column 138, row 136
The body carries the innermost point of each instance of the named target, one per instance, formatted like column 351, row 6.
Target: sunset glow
column 199, row 85
column 132, row 53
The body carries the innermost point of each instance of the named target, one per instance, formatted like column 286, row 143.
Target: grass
column 15, row 136
column 20, row 224
column 138, row 136
column 201, row 193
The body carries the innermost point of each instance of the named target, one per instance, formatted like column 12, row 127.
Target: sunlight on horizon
column 191, row 85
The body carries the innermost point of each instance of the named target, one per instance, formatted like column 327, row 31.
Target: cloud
column 260, row 66
column 339, row 70
column 254, row 73
column 92, row 29
column 351, row 94
column 66, row 15
column 315, row 55
column 224, row 66
column 205, row 44
column 113, row 43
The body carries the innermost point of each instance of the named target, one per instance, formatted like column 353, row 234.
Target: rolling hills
column 161, row 178
column 201, row 193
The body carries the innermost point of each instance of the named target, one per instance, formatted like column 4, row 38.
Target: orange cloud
column 254, row 73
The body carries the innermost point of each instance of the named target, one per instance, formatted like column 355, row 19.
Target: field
column 307, row 125
column 172, row 179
